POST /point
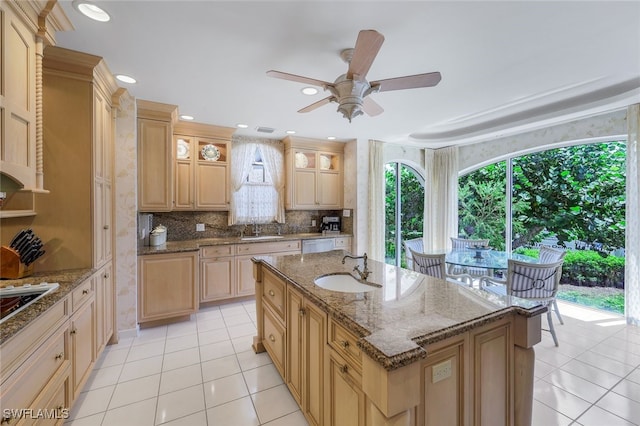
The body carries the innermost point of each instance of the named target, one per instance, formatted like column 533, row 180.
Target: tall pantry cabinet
column 76, row 217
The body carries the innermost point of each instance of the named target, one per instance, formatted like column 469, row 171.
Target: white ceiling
column 504, row 65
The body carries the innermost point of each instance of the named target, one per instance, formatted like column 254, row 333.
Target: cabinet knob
column 85, row 291
column 302, row 312
column 344, row 344
column 271, row 293
column 106, row 275
column 74, row 331
column 344, row 369
column 6, row 419
column 60, row 355
column 273, row 339
column 106, row 227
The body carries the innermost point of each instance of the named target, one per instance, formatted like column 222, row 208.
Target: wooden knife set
column 16, row 260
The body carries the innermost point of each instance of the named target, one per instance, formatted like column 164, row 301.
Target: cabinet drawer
column 343, row 243
column 215, row 251
column 273, row 293
column 274, row 340
column 54, row 401
column 81, row 294
column 22, row 388
column 267, row 248
column 345, row 343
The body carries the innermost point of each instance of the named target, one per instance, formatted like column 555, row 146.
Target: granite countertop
column 68, row 281
column 193, row 245
column 409, row 312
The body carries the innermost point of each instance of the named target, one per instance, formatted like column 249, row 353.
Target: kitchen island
column 414, row 351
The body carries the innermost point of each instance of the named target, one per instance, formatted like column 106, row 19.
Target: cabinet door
column 216, row 278
column 105, row 293
column 295, row 326
column 315, row 339
column 345, row 400
column 99, row 234
column 155, row 168
column 184, row 186
column 167, row 285
column 82, row 344
column 330, row 190
column 211, row 186
column 305, row 189
column 245, row 283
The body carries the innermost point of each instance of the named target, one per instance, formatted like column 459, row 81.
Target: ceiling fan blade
column 408, row 82
column 297, row 78
column 367, row 46
column 371, row 107
column 318, row 104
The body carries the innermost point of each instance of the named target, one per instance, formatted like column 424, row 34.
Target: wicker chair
column 415, row 244
column 533, row 281
column 435, row 265
column 463, row 244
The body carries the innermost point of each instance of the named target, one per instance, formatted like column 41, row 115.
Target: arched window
column 404, row 209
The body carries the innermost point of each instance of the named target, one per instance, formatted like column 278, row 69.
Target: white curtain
column 376, row 201
column 250, row 201
column 632, row 244
column 441, row 198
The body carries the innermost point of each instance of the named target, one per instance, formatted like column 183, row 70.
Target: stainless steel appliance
column 330, row 223
column 318, row 245
column 145, row 226
column 15, row 299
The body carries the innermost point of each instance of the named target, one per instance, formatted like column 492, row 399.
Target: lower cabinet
column 83, row 355
column 306, row 341
column 167, row 285
column 217, row 273
column 105, row 305
column 344, row 398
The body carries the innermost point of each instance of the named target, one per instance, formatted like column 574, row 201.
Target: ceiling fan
column 351, row 90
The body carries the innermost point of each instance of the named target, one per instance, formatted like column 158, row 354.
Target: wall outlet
column 441, row 371
column 346, row 213
column 313, row 222
column 199, row 227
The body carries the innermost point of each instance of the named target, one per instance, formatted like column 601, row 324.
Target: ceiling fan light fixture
column 186, row 117
column 126, row 79
column 242, row 126
column 309, row 91
column 91, row 11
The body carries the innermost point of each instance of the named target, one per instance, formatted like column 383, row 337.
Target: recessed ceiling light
column 290, row 132
column 126, row 79
column 331, row 138
column 309, row 91
column 90, row 10
column 242, row 126
column 186, row 117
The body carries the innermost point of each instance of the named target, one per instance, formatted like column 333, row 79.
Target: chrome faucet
column 365, row 272
column 256, row 228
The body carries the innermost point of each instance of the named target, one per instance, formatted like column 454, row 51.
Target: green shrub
column 588, row 268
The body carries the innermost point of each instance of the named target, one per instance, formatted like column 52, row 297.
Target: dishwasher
column 318, row 246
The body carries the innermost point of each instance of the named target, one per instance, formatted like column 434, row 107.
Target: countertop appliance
column 145, row 226
column 330, row 223
column 317, row 245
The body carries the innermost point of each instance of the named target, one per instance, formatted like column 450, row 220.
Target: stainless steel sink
column 344, row 282
column 262, row 237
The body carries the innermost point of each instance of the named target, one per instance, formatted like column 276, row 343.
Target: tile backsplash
column 182, row 225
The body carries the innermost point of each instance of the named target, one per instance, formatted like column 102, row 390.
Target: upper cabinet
column 202, row 165
column 314, row 174
column 25, row 28
column 155, row 155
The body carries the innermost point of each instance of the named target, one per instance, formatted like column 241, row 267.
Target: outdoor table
column 491, row 260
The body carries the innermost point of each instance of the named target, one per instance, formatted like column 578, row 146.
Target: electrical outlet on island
column 199, row 227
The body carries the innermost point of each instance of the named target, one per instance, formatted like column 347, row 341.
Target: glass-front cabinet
column 314, row 174
column 201, row 172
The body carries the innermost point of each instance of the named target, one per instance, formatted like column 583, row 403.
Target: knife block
column 10, row 265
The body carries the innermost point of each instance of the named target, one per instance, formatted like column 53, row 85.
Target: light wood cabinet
column 79, row 92
column 217, row 273
column 344, row 398
column 314, row 174
column 155, row 160
column 245, row 283
column 105, row 306
column 167, row 285
column 306, row 340
column 83, row 354
column 202, row 165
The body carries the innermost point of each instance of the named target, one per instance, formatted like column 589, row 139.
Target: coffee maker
column 330, row 224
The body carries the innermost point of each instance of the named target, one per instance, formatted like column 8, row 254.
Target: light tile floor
column 204, row 372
